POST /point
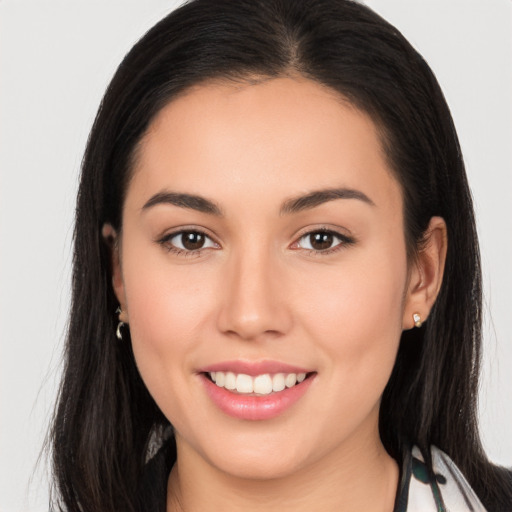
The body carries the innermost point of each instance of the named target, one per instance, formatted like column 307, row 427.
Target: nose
column 253, row 301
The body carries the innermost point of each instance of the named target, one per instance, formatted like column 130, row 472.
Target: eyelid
column 165, row 240
column 345, row 239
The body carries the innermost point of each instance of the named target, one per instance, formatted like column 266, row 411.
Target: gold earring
column 417, row 320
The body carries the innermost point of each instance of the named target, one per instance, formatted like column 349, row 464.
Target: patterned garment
column 448, row 492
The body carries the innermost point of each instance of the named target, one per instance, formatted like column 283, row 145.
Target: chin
column 258, row 467
column 257, row 459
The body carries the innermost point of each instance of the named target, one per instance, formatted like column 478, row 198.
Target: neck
column 362, row 477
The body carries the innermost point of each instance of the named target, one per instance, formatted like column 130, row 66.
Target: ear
column 112, row 240
column 426, row 273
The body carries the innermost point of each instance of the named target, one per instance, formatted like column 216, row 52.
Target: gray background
column 56, row 58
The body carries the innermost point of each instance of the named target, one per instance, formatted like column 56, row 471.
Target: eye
column 322, row 241
column 188, row 241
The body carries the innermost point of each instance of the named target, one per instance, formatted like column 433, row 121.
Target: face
column 263, row 247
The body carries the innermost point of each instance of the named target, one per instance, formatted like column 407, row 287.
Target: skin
column 258, row 291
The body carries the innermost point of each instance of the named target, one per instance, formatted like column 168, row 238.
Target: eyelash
column 165, row 241
column 344, row 241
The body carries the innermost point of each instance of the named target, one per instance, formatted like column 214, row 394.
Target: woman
column 274, row 220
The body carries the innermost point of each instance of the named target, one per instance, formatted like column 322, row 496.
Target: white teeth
column 290, row 380
column 220, row 378
column 261, row 384
column 278, row 382
column 230, row 382
column 244, row 383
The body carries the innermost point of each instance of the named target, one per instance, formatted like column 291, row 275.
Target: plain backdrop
column 56, row 58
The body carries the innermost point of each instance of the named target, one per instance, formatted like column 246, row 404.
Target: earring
column 119, row 334
column 417, row 320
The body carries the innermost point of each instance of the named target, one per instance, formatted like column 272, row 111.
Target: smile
column 264, row 384
column 255, row 390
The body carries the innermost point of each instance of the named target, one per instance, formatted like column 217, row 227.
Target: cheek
column 164, row 308
column 167, row 309
column 356, row 316
column 357, row 326
column 363, row 295
column 165, row 300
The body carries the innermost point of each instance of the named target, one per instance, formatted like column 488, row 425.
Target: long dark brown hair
column 105, row 415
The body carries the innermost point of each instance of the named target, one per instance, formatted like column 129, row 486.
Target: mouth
column 255, row 391
column 258, row 385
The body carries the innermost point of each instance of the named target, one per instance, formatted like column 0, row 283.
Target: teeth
column 244, row 383
column 261, row 384
column 220, row 378
column 278, row 382
column 230, row 382
column 290, row 380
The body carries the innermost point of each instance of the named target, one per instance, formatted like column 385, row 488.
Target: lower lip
column 252, row 407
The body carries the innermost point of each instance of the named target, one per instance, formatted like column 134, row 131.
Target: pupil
column 321, row 241
column 192, row 241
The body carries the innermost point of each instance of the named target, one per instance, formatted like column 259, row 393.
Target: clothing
column 449, row 492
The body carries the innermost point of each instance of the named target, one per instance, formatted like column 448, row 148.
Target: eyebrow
column 294, row 205
column 190, row 201
column 318, row 197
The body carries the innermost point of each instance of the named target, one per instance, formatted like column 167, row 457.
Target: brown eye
column 189, row 241
column 193, row 240
column 323, row 240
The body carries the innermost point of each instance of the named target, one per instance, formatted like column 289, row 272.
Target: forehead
column 278, row 137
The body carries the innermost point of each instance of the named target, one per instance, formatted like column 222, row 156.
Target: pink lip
column 253, row 368
column 254, row 407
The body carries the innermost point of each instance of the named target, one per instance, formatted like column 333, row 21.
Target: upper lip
column 253, row 368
